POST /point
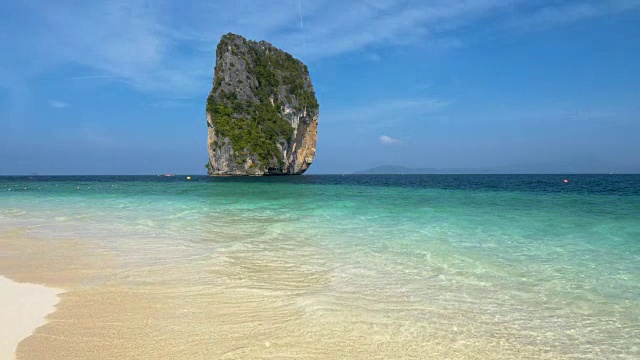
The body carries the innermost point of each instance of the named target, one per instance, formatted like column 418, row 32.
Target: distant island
column 262, row 113
column 574, row 167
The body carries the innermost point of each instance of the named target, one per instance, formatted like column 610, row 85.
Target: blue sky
column 119, row 87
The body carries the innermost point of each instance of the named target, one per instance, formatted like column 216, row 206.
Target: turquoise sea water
column 526, row 258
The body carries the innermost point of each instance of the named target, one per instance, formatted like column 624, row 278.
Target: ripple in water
column 334, row 267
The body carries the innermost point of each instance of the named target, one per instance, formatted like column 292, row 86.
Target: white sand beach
column 23, row 308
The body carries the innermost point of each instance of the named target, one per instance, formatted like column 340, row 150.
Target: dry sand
column 23, row 308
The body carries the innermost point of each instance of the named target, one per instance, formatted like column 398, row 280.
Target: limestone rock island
column 262, row 112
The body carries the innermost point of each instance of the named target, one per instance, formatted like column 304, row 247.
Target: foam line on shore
column 23, row 309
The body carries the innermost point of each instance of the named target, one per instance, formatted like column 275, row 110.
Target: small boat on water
column 167, row 175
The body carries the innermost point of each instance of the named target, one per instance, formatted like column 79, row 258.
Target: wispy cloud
column 124, row 40
column 392, row 110
column 388, row 140
column 57, row 104
column 563, row 13
column 142, row 43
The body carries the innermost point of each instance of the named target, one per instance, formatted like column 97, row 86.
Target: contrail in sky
column 304, row 40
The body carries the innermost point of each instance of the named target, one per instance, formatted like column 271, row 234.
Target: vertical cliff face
column 262, row 112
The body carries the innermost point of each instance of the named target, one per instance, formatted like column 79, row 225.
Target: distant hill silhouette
column 572, row 167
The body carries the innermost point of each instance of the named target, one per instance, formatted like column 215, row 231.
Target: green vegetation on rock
column 257, row 131
column 257, row 127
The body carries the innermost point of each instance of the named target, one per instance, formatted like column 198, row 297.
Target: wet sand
column 119, row 308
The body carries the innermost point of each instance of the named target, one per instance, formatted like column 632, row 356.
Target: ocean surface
column 478, row 262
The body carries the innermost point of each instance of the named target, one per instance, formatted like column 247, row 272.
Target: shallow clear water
column 526, row 258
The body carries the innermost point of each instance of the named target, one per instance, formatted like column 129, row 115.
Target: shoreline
column 24, row 307
column 232, row 294
column 122, row 309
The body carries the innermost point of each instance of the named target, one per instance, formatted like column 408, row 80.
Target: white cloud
column 57, row 104
column 388, row 140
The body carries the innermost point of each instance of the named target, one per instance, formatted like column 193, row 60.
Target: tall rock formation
column 262, row 112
